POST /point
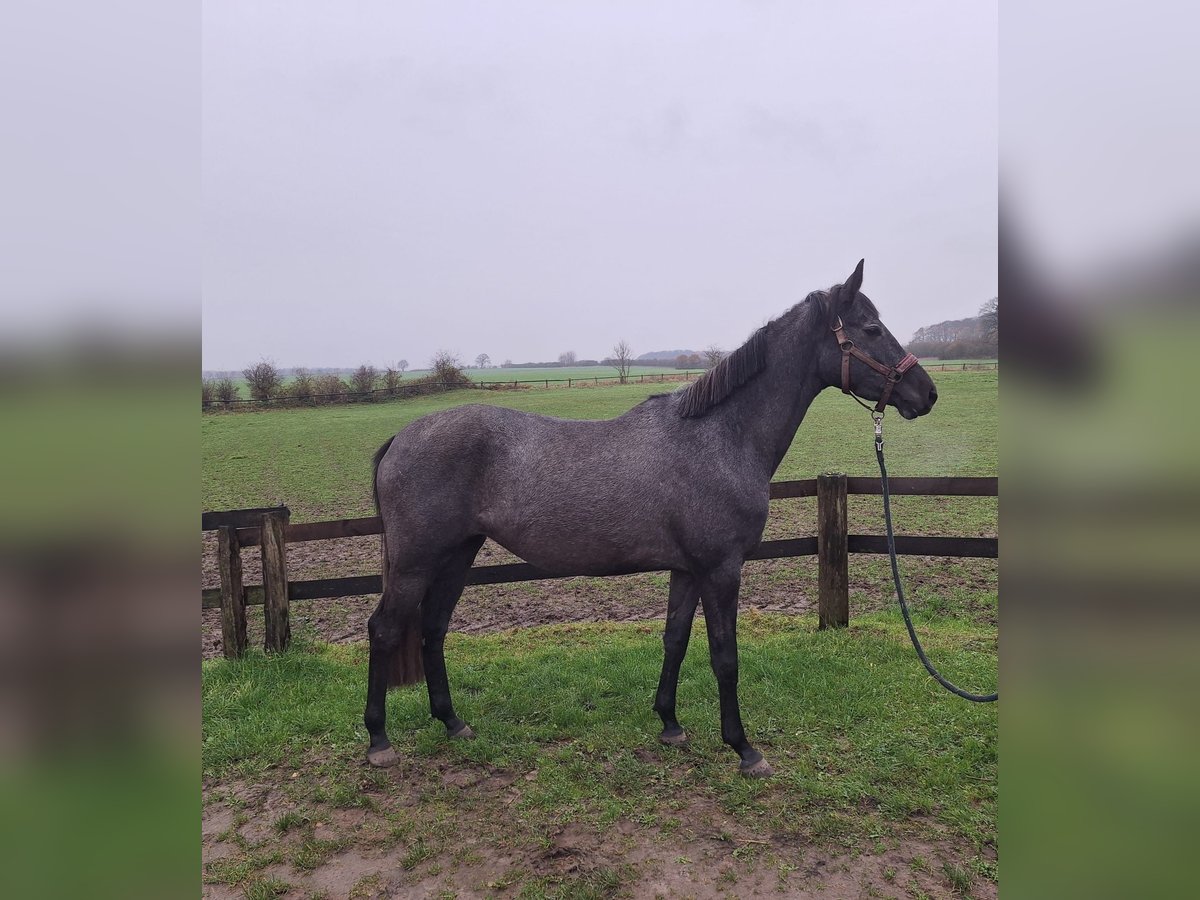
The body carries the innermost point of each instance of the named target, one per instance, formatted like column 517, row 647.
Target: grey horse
column 680, row 482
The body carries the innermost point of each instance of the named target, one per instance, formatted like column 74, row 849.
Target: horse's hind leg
column 390, row 628
column 435, row 621
column 681, row 609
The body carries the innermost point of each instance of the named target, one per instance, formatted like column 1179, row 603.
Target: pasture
column 500, row 374
column 886, row 784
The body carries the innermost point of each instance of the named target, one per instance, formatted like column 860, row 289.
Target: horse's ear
column 852, row 284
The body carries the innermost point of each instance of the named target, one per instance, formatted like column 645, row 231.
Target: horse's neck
column 769, row 409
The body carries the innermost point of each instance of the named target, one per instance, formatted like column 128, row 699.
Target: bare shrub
column 263, row 379
column 364, row 379
column 226, row 390
column 445, row 373
column 329, row 388
column 445, row 367
column 391, row 379
column 302, row 387
column 713, row 355
column 208, row 392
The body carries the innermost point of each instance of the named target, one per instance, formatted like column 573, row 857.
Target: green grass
column 859, row 735
column 318, row 460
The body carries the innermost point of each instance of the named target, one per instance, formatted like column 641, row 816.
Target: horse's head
column 861, row 334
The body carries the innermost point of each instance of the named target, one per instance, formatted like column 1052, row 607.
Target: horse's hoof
column 462, row 733
column 383, row 757
column 679, row 737
column 760, row 769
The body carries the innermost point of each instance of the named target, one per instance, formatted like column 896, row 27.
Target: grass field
column 317, row 460
column 880, row 773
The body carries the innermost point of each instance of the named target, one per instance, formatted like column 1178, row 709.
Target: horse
column 680, row 482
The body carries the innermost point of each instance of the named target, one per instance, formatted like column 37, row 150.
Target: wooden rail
column 269, row 529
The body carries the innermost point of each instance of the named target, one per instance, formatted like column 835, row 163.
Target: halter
column 891, row 374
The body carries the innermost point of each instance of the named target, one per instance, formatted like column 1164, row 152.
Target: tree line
column 266, row 383
column 975, row 337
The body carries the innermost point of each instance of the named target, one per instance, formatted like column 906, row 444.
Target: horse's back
column 554, row 491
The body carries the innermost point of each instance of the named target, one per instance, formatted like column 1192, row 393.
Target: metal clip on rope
column 891, row 545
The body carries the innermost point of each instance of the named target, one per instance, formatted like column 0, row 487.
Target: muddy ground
column 478, row 847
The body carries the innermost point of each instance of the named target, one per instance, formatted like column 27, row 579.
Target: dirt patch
column 420, row 832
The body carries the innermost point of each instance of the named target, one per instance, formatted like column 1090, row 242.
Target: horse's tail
column 406, row 666
column 379, row 455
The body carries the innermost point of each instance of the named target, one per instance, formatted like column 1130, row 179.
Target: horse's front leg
column 681, row 609
column 719, row 594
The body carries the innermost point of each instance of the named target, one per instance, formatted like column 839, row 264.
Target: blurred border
column 99, row 354
column 1100, row 499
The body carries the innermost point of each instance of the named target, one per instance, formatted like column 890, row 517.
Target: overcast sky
column 382, row 179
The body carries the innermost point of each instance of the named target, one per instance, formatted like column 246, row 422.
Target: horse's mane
column 726, row 376
column 739, row 367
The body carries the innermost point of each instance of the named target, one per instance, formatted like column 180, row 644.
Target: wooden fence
column 269, row 529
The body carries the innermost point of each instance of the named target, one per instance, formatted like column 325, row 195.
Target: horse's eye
column 873, row 330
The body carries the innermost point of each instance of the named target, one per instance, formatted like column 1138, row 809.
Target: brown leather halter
column 891, row 374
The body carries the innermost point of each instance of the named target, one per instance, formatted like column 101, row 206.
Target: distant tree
column 301, row 387
column 713, row 355
column 507, row 364
column 402, row 365
column 226, row 390
column 364, row 379
column 567, row 358
column 622, row 358
column 482, row 361
column 989, row 314
column 391, row 379
column 263, row 379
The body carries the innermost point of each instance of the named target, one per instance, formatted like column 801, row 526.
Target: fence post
column 233, row 595
column 275, row 585
column 833, row 605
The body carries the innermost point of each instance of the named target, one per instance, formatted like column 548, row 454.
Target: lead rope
column 891, row 544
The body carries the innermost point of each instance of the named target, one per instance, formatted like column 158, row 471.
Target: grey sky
column 383, row 180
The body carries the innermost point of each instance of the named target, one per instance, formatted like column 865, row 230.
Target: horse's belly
column 585, row 551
